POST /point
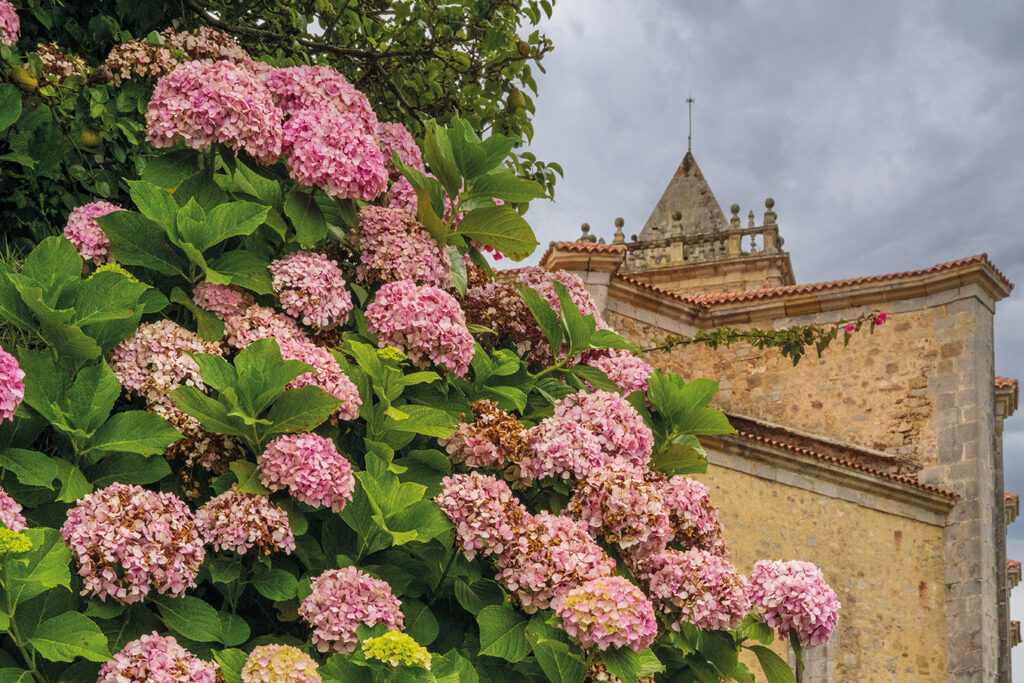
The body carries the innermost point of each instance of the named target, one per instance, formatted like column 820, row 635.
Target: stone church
column 881, row 461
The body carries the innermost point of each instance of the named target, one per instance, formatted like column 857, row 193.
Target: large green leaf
column 420, row 622
column 137, row 241
column 559, row 664
column 502, row 228
column 248, row 475
column 507, row 186
column 302, row 210
column 170, row 169
column 424, row 420
column 128, row 468
column 481, row 593
column 212, row 414
column 12, row 308
column 32, row 468
column 68, row 636
column 10, row 105
column 545, row 316
column 154, row 202
column 628, row 665
column 274, row 584
column 72, row 345
column 190, row 617
column 92, row 396
column 300, row 410
column 252, row 183
column 52, row 265
column 44, row 566
column 232, row 220
column 245, row 269
column 452, row 667
column 106, row 296
column 775, row 669
column 503, row 633
column 135, row 431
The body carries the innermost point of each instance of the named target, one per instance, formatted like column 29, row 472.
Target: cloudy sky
column 889, row 133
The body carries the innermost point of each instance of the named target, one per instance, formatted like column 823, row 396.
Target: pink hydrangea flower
column 10, row 24
column 559, row 447
column 202, row 103
column 223, row 301
column 425, row 322
column 155, row 360
column 401, row 195
column 279, row 664
column 311, row 288
column 327, row 375
column 499, row 307
column 793, row 597
column 86, row 234
column 341, row 600
column 394, row 137
column 12, row 385
column 10, row 512
column 696, row 587
column 260, row 322
column 542, row 281
column 607, row 612
column 493, row 435
column 694, row 518
column 128, row 541
column 486, row 516
column 298, row 88
column 621, row 430
column 330, row 150
column 618, row 504
column 310, row 467
column 157, row 659
column 629, row 372
column 551, row 556
column 238, row 521
column 394, row 246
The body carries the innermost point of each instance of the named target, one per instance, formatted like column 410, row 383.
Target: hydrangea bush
column 265, row 427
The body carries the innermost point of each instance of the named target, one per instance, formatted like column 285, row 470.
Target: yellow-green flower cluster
column 392, row 353
column 397, row 648
column 13, row 542
column 115, row 268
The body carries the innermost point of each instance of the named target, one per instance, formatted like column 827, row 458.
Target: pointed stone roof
column 689, row 195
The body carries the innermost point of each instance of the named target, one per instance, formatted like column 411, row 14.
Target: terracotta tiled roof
column 1009, row 496
column 911, row 481
column 583, row 247
column 753, row 294
column 657, row 290
column 1005, row 382
column 1012, row 564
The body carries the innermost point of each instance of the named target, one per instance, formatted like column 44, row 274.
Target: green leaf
column 503, row 633
column 44, row 566
column 52, row 265
column 545, row 316
column 578, row 328
column 558, row 663
column 301, row 410
column 305, row 214
column 775, row 669
column 440, row 166
column 252, row 183
column 154, row 202
column 233, row 629
column 209, row 326
column 106, row 296
column 212, row 414
column 12, row 308
column 15, row 675
column 129, row 468
column 505, row 185
column 92, row 396
column 170, row 169
column 606, row 339
column 274, row 584
column 190, row 617
column 755, row 629
column 137, row 241
column 420, row 622
column 424, row 420
column 481, row 593
column 719, row 648
column 459, row 278
column 70, row 342
column 32, row 468
column 10, row 105
column 500, row 227
column 248, row 477
column 683, row 454
column 232, row 220
column 628, row 665
column 74, row 485
column 68, row 636
column 232, row 660
column 245, row 269
column 135, row 431
column 452, row 667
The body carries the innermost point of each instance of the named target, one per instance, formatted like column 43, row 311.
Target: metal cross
column 689, row 137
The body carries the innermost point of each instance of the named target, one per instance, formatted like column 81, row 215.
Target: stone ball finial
column 586, row 236
column 735, row 208
column 677, row 215
column 769, row 203
column 632, row 238
column 585, row 228
column 619, row 222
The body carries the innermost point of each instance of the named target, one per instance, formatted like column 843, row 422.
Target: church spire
column 687, row 206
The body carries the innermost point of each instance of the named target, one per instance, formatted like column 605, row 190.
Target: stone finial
column 750, row 219
column 734, row 222
column 619, row 237
column 600, row 241
column 586, row 236
column 769, row 215
column 632, row 238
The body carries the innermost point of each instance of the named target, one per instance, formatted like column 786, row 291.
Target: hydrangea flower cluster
column 694, row 518
column 238, row 521
column 128, row 541
column 197, row 446
column 331, row 150
column 499, row 307
column 620, row 429
column 201, row 104
column 142, row 58
column 397, row 649
column 487, row 517
column 10, row 24
column 12, row 542
column 394, row 246
column 139, row 58
column 279, row 664
column 58, row 65
column 86, row 234
column 155, row 360
column 394, row 137
column 342, row 599
column 205, row 43
column 10, row 512
column 311, row 288
column 629, row 372
column 299, row 88
column 260, row 322
column 542, row 281
column 607, row 612
column 157, row 659
column 327, row 375
column 425, row 322
column 561, row 448
column 793, row 597
column 696, row 587
column 401, row 195
column 618, row 504
column 310, row 467
column 12, row 385
column 223, row 301
column 552, row 555
column 493, row 435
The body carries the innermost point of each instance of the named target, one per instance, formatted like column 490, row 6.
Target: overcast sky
column 890, row 134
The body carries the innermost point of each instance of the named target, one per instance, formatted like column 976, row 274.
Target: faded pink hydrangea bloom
column 629, row 372
column 139, row 58
column 794, row 597
column 394, row 246
column 342, row 599
column 394, row 137
column 425, row 322
column 694, row 519
column 327, row 375
column 298, row 88
column 616, row 503
column 128, row 541
column 205, row 43
column 260, row 322
column 86, row 234
column 541, row 280
column 486, row 516
column 401, row 195
column 311, row 288
column 493, row 435
column 200, row 104
column 197, row 446
column 155, row 360
column 696, row 587
column 157, row 659
column 10, row 512
column 552, row 555
column 58, row 64
column 330, row 150
column 607, row 612
column 10, row 24
column 223, row 301
column 499, row 307
column 562, row 448
column 310, row 467
column 621, row 430
column 238, row 521
column 279, row 664
column 12, row 385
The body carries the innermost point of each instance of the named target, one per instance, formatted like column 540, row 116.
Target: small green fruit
column 91, row 137
column 24, row 79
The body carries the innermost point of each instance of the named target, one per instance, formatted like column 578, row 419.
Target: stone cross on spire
column 689, row 136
